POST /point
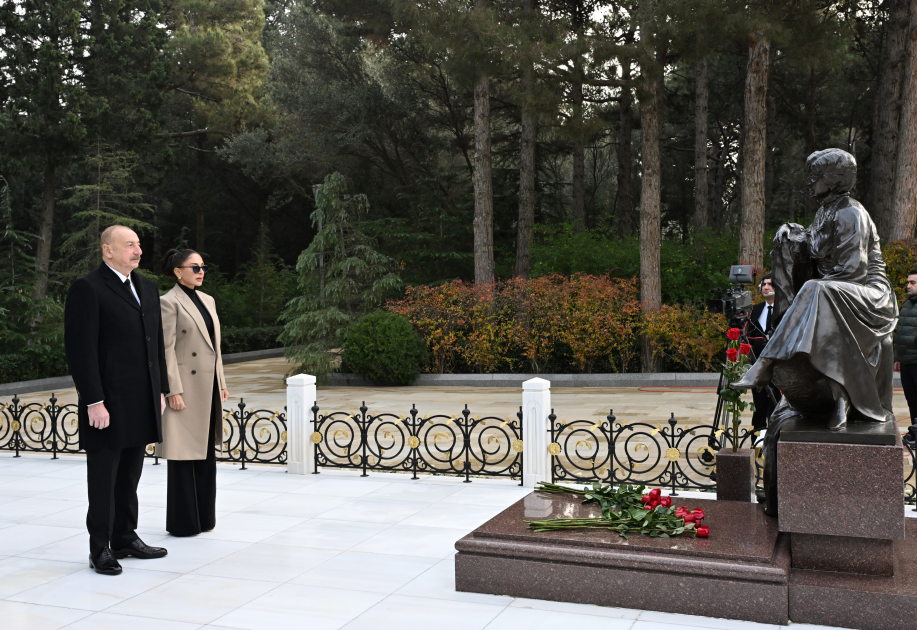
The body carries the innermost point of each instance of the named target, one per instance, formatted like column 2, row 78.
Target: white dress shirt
column 123, row 279
column 762, row 320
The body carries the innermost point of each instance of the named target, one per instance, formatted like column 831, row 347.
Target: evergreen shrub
column 32, row 363
column 384, row 348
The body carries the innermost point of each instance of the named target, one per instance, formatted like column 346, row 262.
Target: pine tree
column 41, row 52
column 111, row 198
column 341, row 277
column 905, row 200
column 886, row 114
column 218, row 65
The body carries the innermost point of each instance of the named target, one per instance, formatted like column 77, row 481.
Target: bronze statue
column 831, row 352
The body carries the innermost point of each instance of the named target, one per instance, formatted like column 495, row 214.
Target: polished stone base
column 735, row 474
column 867, row 556
column 869, row 602
column 841, row 489
column 740, row 572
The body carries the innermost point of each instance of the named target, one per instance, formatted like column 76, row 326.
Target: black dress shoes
column 105, row 563
column 141, row 550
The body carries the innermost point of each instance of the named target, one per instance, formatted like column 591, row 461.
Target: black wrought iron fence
column 250, row 436
column 681, row 456
column 457, row 445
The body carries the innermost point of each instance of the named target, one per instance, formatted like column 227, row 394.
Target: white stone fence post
column 301, row 395
column 536, row 405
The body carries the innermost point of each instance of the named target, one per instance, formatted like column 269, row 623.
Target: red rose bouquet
column 736, row 365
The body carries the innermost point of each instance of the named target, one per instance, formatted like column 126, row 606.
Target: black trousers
column 191, row 489
column 112, row 475
column 909, row 384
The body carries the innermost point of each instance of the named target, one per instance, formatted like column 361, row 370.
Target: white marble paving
column 320, row 552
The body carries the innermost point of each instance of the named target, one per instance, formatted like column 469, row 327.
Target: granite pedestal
column 840, row 501
column 740, row 572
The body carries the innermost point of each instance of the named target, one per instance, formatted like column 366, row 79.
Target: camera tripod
column 721, row 419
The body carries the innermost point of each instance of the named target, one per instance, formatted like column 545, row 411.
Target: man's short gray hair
column 105, row 239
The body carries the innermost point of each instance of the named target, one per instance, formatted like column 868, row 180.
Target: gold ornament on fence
column 413, row 441
column 554, row 449
column 672, row 454
column 517, row 446
column 316, row 438
column 16, row 425
column 283, row 437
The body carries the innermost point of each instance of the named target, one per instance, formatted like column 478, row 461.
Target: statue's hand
column 783, row 233
column 790, row 232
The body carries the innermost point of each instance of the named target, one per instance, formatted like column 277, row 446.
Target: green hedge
column 384, row 348
column 247, row 339
column 33, row 363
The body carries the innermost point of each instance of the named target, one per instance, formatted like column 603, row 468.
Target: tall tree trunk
column 157, row 232
column 885, row 118
column 45, row 234
column 751, row 234
column 769, row 156
column 624, row 207
column 483, row 186
column 579, row 159
column 810, row 142
column 701, row 193
column 905, row 202
column 526, row 223
column 200, row 199
column 650, row 193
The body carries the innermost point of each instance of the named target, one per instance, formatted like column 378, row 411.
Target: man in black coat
column 114, row 343
column 760, row 328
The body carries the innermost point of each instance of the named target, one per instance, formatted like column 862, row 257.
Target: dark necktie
column 127, row 285
column 767, row 322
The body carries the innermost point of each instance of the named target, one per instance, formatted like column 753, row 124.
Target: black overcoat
column 115, row 353
column 755, row 334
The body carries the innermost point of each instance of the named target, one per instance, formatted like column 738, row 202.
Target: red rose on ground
column 689, row 518
column 744, row 348
column 655, row 492
column 698, row 513
column 732, row 354
column 645, row 498
column 681, row 510
column 665, row 502
column 703, row 532
column 733, row 334
column 647, row 507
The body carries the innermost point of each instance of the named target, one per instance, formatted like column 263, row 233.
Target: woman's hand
column 224, row 395
column 176, row 403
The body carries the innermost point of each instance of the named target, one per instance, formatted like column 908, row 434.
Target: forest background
column 648, row 144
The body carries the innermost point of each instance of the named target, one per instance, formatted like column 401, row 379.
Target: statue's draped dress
column 845, row 310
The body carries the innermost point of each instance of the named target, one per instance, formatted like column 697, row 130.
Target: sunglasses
column 196, row 268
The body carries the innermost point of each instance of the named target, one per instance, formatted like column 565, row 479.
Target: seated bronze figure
column 831, row 352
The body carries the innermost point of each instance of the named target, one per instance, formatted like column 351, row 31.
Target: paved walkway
column 317, row 552
column 261, row 384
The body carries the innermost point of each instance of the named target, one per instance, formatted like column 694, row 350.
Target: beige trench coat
column 191, row 361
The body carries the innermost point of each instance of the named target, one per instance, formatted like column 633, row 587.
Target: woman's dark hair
column 175, row 258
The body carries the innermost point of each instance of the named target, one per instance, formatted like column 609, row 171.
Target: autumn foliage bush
column 579, row 323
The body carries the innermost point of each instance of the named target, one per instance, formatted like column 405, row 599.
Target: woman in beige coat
column 192, row 422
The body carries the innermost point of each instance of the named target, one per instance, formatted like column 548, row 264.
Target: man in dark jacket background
column 760, row 327
column 114, row 344
column 906, row 345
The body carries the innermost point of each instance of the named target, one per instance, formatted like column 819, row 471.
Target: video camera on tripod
column 735, row 302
